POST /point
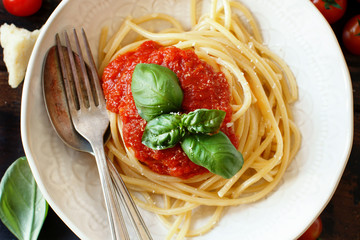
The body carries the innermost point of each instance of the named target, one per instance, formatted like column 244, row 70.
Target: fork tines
column 81, row 80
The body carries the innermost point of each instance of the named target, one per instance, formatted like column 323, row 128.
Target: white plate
column 295, row 31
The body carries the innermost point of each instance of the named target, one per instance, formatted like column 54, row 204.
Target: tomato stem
column 329, row 3
column 358, row 34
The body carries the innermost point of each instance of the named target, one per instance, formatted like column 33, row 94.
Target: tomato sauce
column 202, row 88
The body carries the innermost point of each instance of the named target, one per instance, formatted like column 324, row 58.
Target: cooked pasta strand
column 262, row 88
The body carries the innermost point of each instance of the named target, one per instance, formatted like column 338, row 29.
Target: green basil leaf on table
column 23, row 208
column 162, row 132
column 156, row 90
column 203, row 120
column 214, row 152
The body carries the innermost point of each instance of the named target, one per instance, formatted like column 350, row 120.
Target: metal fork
column 89, row 116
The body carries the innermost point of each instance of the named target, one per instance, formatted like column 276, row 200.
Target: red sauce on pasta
column 202, row 87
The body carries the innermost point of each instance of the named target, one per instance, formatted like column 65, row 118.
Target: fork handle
column 114, row 215
column 130, row 206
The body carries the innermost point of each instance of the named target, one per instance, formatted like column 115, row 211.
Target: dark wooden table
column 341, row 217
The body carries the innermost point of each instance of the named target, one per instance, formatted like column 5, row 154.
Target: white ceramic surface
column 295, row 31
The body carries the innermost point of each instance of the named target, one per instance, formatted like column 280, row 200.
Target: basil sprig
column 166, row 130
column 158, row 98
column 214, row 152
column 23, row 208
column 156, row 90
column 203, row 120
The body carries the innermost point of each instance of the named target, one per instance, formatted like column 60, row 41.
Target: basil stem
column 162, row 132
column 214, row 152
column 23, row 208
column 156, row 90
column 203, row 120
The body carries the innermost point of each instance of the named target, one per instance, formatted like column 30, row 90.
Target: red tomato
column 351, row 35
column 313, row 232
column 22, row 8
column 332, row 10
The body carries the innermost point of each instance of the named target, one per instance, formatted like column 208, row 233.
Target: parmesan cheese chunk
column 18, row 44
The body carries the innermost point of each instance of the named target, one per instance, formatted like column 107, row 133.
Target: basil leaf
column 214, row 152
column 23, row 209
column 162, row 132
column 203, row 120
column 156, row 90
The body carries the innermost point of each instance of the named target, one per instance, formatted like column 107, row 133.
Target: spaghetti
column 262, row 88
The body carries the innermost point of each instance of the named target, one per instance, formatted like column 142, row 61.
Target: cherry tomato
column 332, row 10
column 22, row 8
column 313, row 232
column 351, row 35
